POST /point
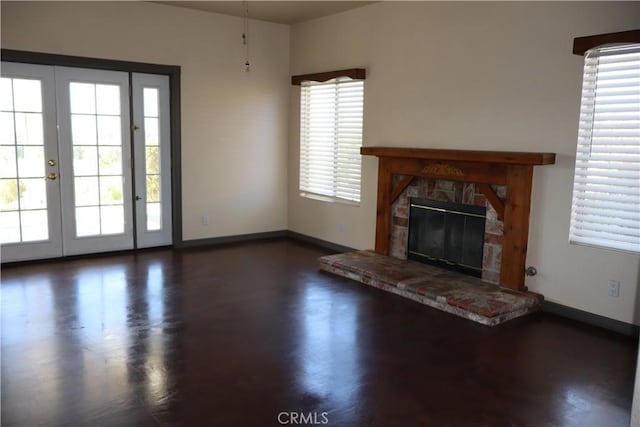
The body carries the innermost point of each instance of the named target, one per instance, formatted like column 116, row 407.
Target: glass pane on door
column 97, row 159
column 152, row 158
column 23, row 193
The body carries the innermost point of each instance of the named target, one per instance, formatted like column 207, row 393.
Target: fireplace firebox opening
column 447, row 235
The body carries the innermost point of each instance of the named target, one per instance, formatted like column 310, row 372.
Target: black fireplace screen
column 448, row 235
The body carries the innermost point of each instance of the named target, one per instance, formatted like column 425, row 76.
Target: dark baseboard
column 591, row 319
column 333, row 247
column 225, row 240
column 280, row 234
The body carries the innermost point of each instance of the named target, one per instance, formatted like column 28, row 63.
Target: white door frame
column 173, row 72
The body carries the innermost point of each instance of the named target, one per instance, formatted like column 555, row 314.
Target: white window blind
column 606, row 189
column 330, row 138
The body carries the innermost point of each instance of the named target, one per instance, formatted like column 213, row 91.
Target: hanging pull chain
column 245, row 36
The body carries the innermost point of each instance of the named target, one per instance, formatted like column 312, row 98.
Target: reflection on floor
column 242, row 334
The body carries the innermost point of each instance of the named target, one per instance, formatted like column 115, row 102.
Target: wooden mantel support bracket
column 493, row 198
column 404, row 183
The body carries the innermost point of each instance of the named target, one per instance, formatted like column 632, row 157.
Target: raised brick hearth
column 455, row 192
column 445, row 290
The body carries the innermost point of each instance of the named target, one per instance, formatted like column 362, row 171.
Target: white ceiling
column 282, row 12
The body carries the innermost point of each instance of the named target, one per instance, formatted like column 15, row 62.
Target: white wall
column 234, row 124
column 485, row 76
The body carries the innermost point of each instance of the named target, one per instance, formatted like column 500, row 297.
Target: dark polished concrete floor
column 239, row 335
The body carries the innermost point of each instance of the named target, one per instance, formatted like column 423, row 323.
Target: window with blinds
column 330, row 139
column 606, row 189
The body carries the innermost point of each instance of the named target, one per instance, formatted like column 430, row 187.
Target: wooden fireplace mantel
column 512, row 169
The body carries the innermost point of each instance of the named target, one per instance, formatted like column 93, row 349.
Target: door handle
column 52, row 176
column 138, row 198
column 52, row 162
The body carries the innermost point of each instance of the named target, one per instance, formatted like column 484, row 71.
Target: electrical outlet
column 614, row 288
column 205, row 219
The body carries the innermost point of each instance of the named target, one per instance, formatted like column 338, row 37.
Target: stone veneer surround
column 455, row 192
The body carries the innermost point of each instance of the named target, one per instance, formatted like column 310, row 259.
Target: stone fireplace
column 453, row 192
column 501, row 181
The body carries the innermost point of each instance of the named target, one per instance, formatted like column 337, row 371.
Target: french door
column 30, row 215
column 72, row 191
column 95, row 160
